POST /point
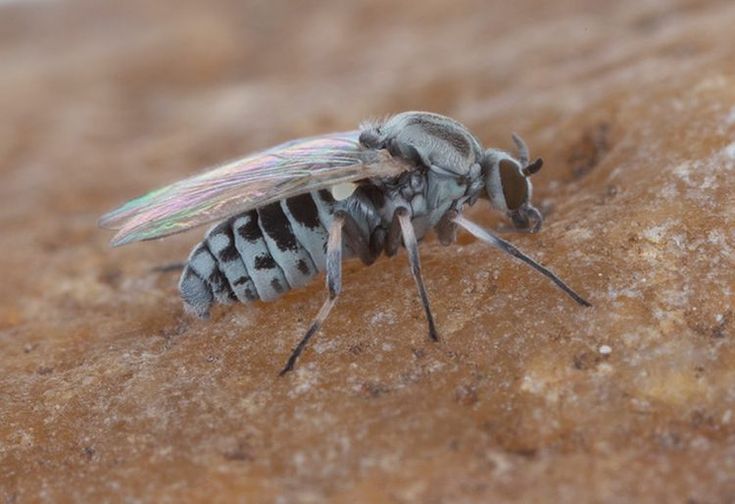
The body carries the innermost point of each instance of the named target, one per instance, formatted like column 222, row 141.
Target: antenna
column 522, row 149
column 533, row 167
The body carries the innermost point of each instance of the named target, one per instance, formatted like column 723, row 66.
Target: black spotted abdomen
column 259, row 254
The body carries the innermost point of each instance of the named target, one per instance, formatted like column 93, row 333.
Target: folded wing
column 287, row 170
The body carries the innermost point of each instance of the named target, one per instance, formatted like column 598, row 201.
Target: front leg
column 446, row 229
column 412, row 246
column 497, row 242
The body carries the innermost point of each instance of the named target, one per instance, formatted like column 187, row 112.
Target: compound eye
column 515, row 186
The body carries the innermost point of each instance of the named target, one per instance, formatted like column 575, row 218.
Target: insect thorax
column 426, row 193
column 428, row 139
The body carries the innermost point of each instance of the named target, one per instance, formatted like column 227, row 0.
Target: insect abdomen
column 259, row 254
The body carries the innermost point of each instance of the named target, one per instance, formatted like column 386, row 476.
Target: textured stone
column 108, row 390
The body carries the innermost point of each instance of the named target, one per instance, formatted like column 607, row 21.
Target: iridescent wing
column 292, row 168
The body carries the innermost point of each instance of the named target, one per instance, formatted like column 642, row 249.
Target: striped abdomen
column 259, row 254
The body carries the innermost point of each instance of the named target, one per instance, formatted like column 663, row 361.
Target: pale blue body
column 264, row 252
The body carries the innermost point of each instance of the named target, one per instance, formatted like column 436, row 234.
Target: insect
column 288, row 213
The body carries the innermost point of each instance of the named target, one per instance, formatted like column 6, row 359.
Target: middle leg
column 412, row 246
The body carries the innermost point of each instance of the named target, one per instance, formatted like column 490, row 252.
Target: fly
column 288, row 213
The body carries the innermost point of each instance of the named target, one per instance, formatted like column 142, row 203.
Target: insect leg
column 446, row 229
column 357, row 242
column 506, row 247
column 393, row 239
column 170, row 267
column 334, row 285
column 412, row 246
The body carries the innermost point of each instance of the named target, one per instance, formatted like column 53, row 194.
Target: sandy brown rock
column 108, row 391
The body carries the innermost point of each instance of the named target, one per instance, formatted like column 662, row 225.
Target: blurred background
column 107, row 391
column 100, row 101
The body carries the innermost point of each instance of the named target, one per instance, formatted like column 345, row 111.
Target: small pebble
column 605, row 350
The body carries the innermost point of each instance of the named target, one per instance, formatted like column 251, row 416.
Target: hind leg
column 171, row 267
column 334, row 286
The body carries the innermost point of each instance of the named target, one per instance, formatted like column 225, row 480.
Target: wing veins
column 285, row 171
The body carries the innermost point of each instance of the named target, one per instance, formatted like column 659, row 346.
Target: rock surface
column 108, row 391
